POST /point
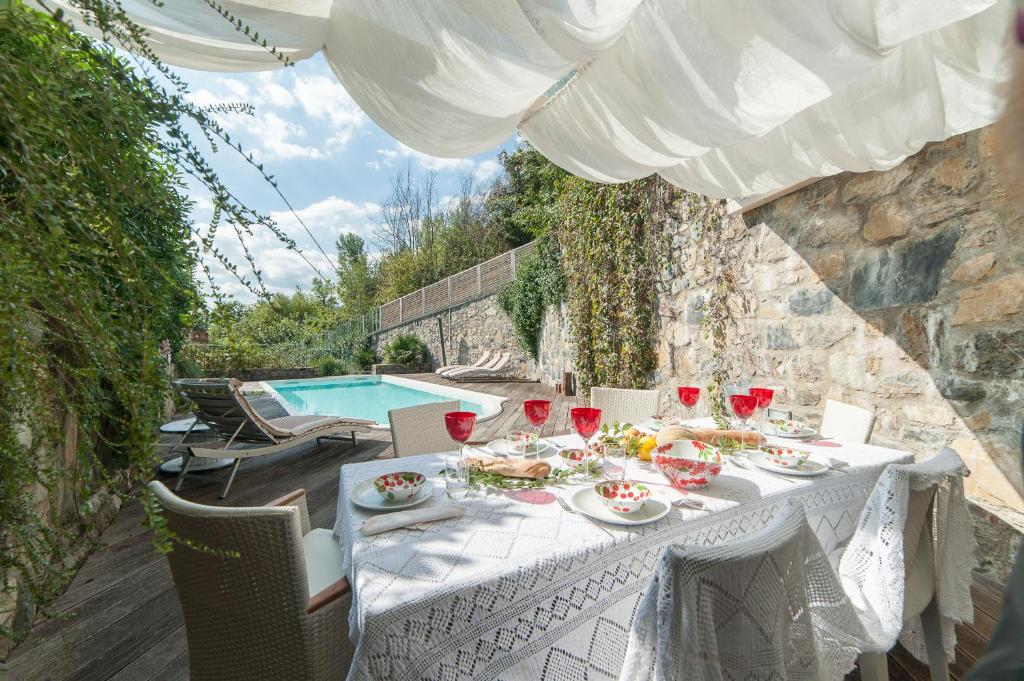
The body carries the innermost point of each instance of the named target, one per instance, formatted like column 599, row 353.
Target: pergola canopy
column 727, row 98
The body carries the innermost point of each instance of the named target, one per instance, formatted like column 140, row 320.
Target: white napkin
column 393, row 521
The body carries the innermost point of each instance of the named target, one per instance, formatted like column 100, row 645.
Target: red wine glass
column 460, row 427
column 586, row 421
column 743, row 406
column 537, row 412
column 688, row 396
column 764, row 398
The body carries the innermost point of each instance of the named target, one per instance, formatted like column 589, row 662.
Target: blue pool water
column 365, row 397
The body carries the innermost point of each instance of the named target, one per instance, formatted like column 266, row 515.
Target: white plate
column 587, row 502
column 809, row 468
column 366, row 496
column 502, row 448
column 770, row 429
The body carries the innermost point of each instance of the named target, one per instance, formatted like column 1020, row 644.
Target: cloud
column 329, row 120
column 482, row 171
column 282, row 268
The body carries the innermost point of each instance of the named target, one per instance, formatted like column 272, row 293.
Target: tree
column 524, row 202
column 357, row 283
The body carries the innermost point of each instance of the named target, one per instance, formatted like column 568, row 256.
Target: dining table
column 523, row 586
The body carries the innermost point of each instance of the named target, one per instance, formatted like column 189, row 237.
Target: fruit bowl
column 688, row 464
column 789, row 457
column 398, row 486
column 625, row 497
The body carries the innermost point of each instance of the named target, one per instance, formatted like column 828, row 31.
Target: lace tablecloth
column 521, row 589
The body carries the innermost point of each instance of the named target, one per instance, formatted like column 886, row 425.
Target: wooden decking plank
column 153, row 661
column 175, row 670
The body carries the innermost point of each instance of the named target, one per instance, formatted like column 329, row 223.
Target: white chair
column 907, row 567
column 264, row 596
column 846, row 422
column 484, row 359
column 625, row 405
column 766, row 606
column 421, row 429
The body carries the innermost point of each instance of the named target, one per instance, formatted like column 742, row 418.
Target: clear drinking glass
column 615, row 462
column 456, row 477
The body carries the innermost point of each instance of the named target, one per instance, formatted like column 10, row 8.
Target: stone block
column 807, row 398
column 830, row 265
column 956, row 174
column 867, row 187
column 994, row 301
column 780, row 338
column 975, row 269
column 962, row 390
column 886, row 221
column 999, row 354
column 808, row 302
column 906, row 273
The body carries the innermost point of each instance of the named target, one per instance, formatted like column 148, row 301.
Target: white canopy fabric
column 728, row 98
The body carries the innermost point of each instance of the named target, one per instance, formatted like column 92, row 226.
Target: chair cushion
column 298, row 425
column 323, row 559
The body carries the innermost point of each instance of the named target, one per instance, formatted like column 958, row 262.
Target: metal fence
column 468, row 285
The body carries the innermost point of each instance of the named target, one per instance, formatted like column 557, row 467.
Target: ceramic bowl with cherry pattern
column 625, row 497
column 787, row 457
column 398, row 486
column 688, row 464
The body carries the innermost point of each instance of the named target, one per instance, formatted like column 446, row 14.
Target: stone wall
column 469, row 331
column 554, row 349
column 901, row 292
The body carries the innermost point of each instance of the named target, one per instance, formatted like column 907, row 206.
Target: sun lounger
column 502, row 370
column 220, row 404
column 484, row 359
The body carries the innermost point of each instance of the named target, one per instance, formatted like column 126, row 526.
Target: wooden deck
column 120, row 618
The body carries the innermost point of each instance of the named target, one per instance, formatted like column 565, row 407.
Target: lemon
column 645, row 446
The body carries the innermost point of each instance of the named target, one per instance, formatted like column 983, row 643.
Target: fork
column 566, row 507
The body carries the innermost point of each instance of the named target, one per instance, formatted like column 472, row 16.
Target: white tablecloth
column 521, row 589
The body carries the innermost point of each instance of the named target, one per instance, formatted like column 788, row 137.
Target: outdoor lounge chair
column 264, row 596
column 220, row 404
column 484, row 359
column 502, row 369
column 496, row 358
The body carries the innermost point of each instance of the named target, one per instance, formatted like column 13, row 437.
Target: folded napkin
column 714, row 436
column 393, row 521
column 512, row 468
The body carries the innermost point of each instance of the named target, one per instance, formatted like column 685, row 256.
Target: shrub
column 329, row 366
column 365, row 359
column 406, row 350
column 539, row 282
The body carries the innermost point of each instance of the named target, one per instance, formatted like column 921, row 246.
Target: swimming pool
column 370, row 397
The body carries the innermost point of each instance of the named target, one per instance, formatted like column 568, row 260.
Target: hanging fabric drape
column 728, row 98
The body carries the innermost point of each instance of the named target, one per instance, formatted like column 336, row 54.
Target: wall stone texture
column 898, row 291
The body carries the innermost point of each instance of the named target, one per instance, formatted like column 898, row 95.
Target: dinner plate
column 365, row 496
column 810, row 467
column 587, row 502
column 770, row 429
column 502, row 448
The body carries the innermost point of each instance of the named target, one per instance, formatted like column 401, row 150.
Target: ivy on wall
column 717, row 255
column 612, row 247
column 539, row 282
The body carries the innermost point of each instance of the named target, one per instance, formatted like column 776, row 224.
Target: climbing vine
column 717, row 255
column 612, row 248
column 97, row 264
column 539, row 282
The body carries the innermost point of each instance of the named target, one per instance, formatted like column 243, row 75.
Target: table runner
column 519, row 588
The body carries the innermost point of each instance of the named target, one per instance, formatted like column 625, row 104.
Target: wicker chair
column 846, row 422
column 625, row 406
column 421, row 430
column 759, row 607
column 266, row 598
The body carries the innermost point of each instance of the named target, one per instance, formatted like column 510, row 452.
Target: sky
column 332, row 163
